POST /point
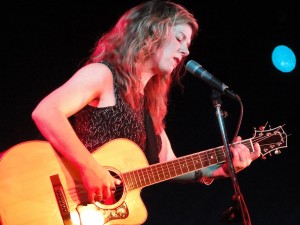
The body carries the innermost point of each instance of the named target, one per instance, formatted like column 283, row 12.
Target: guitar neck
column 167, row 170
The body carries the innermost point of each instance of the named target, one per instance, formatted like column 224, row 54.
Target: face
column 173, row 49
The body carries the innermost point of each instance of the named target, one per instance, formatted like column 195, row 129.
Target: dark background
column 44, row 43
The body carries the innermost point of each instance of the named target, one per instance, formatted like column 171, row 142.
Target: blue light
column 283, row 58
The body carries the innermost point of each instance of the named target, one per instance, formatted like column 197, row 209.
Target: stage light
column 283, row 58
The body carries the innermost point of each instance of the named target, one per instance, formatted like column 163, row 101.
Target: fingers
column 238, row 139
column 95, row 195
column 117, row 182
column 108, row 192
column 98, row 198
column 241, row 155
column 101, row 195
column 257, row 151
column 235, row 154
column 105, row 192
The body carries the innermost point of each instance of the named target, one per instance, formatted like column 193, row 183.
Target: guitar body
column 27, row 192
column 39, row 187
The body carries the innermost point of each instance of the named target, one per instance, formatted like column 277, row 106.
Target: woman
column 124, row 83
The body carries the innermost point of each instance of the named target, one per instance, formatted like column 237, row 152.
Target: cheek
column 169, row 47
column 165, row 55
column 163, row 60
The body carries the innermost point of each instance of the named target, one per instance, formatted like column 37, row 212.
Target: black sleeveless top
column 96, row 126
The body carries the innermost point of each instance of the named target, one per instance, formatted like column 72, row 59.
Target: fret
column 160, row 172
column 211, row 157
column 173, row 169
column 166, row 168
column 194, row 161
column 198, row 161
column 189, row 163
column 127, row 178
column 144, row 175
column 137, row 180
column 204, row 158
column 182, row 165
column 220, row 154
column 150, row 175
column 165, row 171
column 156, row 172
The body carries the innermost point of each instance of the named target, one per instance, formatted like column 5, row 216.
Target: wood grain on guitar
column 38, row 186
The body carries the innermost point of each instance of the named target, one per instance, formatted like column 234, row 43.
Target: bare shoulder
column 95, row 70
column 88, row 83
column 92, row 77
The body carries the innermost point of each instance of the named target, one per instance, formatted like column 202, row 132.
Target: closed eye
column 179, row 40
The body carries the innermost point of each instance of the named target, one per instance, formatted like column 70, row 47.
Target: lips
column 177, row 60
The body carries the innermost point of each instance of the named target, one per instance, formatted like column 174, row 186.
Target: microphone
column 197, row 70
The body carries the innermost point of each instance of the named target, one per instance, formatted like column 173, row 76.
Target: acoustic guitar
column 39, row 187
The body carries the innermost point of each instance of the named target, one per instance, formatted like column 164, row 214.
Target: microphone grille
column 192, row 66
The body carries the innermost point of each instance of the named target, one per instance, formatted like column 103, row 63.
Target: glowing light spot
column 283, row 58
column 88, row 215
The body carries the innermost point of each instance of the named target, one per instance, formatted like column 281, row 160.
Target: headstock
column 271, row 140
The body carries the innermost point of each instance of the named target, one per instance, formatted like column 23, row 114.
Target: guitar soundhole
column 118, row 193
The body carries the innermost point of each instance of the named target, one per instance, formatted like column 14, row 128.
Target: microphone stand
column 232, row 214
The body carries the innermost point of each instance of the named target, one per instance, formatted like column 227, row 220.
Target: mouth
column 177, row 60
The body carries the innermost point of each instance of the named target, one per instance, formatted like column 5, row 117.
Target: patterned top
column 96, row 126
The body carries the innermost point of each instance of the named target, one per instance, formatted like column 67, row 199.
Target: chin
column 168, row 71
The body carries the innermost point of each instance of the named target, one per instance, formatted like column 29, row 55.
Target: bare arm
column 51, row 117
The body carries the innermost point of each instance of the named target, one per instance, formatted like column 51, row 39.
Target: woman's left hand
column 241, row 155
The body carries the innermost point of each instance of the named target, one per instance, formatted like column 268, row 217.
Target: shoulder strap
column 153, row 143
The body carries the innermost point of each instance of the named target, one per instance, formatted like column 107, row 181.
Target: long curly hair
column 137, row 35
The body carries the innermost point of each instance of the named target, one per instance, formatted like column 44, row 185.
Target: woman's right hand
column 99, row 183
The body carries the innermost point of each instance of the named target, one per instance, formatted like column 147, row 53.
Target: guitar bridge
column 61, row 199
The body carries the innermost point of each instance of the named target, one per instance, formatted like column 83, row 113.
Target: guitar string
column 205, row 159
column 133, row 180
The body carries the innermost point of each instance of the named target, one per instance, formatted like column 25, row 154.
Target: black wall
column 44, row 43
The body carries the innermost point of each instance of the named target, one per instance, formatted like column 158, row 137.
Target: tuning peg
column 277, row 152
column 263, row 157
column 262, row 128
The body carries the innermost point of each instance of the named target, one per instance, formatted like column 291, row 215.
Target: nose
column 184, row 51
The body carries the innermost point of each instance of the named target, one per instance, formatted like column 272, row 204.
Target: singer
column 115, row 95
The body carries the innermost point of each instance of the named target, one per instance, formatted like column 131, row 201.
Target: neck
column 145, row 73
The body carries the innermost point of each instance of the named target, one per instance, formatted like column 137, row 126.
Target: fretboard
column 167, row 170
